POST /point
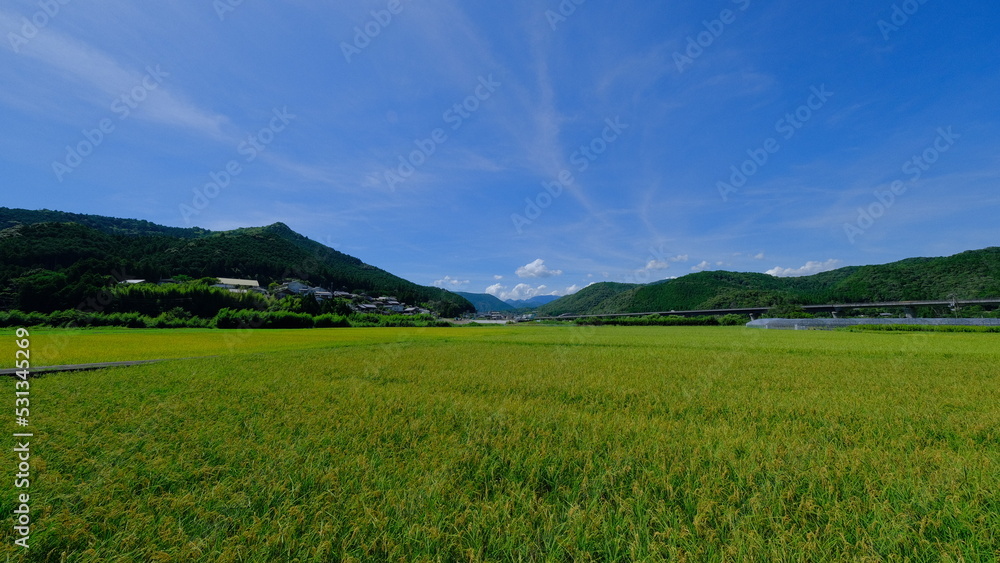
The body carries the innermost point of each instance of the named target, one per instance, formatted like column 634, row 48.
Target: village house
column 239, row 286
column 294, row 288
column 319, row 293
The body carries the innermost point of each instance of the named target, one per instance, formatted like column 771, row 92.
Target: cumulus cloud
column 680, row 258
column 519, row 291
column 537, row 269
column 523, row 291
column 498, row 277
column 574, row 288
column 759, row 256
column 450, row 283
column 701, row 267
column 811, row 267
column 656, row 265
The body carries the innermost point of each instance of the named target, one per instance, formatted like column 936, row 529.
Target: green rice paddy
column 518, row 443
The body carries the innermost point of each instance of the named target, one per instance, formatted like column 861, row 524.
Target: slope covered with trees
column 10, row 217
column 969, row 275
column 47, row 266
column 593, row 298
column 484, row 302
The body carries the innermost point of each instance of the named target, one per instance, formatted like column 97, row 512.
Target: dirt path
column 83, row 367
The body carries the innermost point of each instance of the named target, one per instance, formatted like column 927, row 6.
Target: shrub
column 247, row 318
column 365, row 319
column 20, row 318
column 733, row 320
column 230, row 318
column 287, row 319
column 332, row 321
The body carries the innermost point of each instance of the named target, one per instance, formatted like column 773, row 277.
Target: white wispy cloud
column 76, row 62
column 449, row 282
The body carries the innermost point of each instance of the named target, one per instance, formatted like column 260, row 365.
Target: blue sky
column 520, row 147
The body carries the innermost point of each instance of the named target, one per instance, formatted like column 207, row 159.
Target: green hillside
column 593, row 298
column 111, row 225
column 54, row 266
column 969, row 275
column 484, row 302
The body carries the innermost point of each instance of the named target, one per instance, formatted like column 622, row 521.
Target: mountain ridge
column 11, row 217
column 531, row 303
column 77, row 255
column 484, row 302
column 970, row 274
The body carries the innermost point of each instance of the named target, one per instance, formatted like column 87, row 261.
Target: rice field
column 518, row 443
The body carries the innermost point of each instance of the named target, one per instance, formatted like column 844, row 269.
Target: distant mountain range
column 531, row 303
column 64, row 257
column 54, row 260
column 969, row 275
column 485, row 302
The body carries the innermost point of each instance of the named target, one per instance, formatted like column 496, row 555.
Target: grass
column 51, row 346
column 923, row 328
column 517, row 444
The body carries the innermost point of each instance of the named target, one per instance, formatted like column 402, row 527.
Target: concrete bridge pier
column 754, row 316
column 910, row 312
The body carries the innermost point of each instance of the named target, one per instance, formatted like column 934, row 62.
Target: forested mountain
column 969, row 275
column 484, row 302
column 596, row 298
column 110, row 225
column 536, row 301
column 51, row 260
column 48, row 266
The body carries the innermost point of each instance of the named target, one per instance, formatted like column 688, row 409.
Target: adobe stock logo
column 122, row 106
column 566, row 9
column 915, row 168
column 901, row 14
column 696, row 44
column 251, row 148
column 456, row 116
column 787, row 126
column 225, row 7
column 364, row 35
column 581, row 159
column 31, row 27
